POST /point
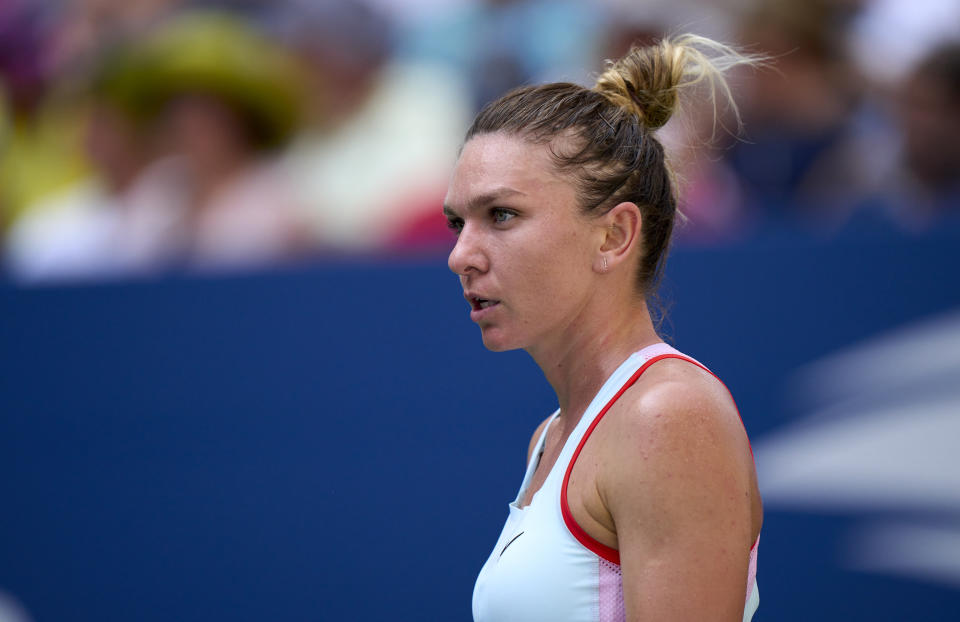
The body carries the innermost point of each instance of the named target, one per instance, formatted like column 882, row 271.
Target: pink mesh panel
column 611, row 592
column 752, row 572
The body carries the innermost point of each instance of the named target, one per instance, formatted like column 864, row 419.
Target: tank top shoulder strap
column 622, row 379
column 619, row 381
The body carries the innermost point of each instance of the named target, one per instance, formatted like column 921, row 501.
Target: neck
column 581, row 360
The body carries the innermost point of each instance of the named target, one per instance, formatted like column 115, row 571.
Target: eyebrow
column 484, row 199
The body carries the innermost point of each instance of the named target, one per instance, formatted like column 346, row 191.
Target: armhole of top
column 610, row 554
column 534, row 460
column 542, row 439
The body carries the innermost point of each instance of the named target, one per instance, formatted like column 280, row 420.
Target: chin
column 495, row 341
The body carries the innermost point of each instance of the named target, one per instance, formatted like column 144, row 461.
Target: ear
column 621, row 234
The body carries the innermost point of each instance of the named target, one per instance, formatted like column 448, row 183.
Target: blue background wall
column 334, row 443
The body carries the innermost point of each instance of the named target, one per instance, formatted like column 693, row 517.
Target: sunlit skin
column 667, row 478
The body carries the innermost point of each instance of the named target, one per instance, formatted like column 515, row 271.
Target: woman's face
column 524, row 252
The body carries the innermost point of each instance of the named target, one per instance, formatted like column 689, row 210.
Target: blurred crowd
column 142, row 136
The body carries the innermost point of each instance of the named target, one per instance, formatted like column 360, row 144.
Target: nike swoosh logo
column 511, row 542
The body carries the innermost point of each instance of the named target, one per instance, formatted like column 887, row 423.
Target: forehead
column 490, row 163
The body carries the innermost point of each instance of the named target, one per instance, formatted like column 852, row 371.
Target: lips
column 483, row 303
column 479, row 305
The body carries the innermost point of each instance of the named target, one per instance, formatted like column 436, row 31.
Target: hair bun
column 646, row 81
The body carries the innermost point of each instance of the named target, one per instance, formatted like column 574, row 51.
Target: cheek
column 557, row 270
column 569, row 251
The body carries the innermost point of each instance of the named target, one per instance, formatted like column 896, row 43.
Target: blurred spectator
column 711, row 198
column 40, row 132
column 227, row 101
column 889, row 37
column 374, row 163
column 930, row 117
column 797, row 117
column 656, row 18
column 85, row 28
column 183, row 132
column 921, row 187
column 119, row 221
column 500, row 44
column 190, row 148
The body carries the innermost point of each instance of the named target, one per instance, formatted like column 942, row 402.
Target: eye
column 455, row 225
column 501, row 215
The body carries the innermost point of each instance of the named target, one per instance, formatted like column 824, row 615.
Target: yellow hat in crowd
column 213, row 54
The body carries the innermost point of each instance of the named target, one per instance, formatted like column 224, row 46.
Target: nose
column 467, row 255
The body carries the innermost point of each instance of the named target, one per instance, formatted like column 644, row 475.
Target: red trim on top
column 610, row 554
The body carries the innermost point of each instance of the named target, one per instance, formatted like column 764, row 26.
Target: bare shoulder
column 679, row 400
column 536, row 437
column 675, row 440
column 675, row 475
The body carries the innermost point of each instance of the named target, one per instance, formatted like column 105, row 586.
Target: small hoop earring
column 604, row 268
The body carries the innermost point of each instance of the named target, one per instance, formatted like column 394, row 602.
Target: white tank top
column 544, row 567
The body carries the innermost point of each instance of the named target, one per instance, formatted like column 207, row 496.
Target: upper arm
column 677, row 481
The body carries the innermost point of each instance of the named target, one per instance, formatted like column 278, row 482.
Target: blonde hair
column 648, row 80
column 615, row 155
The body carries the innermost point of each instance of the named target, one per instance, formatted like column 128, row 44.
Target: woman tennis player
column 640, row 497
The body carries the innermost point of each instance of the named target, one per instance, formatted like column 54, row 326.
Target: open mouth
column 482, row 303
